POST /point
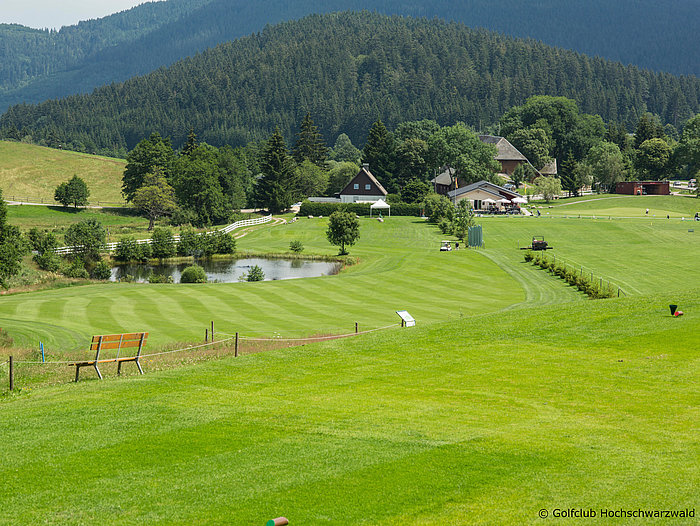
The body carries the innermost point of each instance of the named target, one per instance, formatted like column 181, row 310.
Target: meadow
column 29, row 172
column 513, row 394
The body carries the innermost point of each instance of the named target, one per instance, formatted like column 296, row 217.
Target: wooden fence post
column 12, row 374
column 206, row 335
column 212, row 330
column 235, row 352
column 356, row 328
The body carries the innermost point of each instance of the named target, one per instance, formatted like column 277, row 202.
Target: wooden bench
column 110, row 342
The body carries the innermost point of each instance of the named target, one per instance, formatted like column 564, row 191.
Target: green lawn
column 623, row 206
column 514, row 393
column 29, row 172
column 401, row 268
column 58, row 218
column 484, row 420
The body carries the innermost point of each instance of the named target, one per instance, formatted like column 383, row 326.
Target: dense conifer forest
column 347, row 70
column 38, row 65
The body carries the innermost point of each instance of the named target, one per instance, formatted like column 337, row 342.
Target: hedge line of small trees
column 163, row 245
column 573, row 277
column 361, row 209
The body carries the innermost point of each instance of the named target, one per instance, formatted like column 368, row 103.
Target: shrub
column 193, row 274
column 190, row 242
column 144, row 252
column 255, row 274
column 49, row 261
column 162, row 243
column 159, row 278
column 296, row 246
column 76, row 270
column 102, row 271
column 361, row 209
column 127, row 249
column 529, row 256
column 224, row 243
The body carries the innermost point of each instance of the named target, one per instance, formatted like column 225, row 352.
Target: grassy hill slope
column 29, row 172
column 486, row 420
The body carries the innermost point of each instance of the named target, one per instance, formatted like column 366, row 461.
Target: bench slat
column 117, row 345
column 118, row 337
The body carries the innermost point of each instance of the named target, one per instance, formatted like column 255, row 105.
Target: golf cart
column 446, row 246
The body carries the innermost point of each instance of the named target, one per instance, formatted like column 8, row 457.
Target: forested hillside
column 38, row 65
column 347, row 70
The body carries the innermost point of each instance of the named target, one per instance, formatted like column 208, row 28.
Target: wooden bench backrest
column 119, row 342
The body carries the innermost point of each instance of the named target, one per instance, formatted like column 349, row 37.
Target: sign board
column 407, row 319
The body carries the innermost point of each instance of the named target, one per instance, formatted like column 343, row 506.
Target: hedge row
column 582, row 282
column 361, row 209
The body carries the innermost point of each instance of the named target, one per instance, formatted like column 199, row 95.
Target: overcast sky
column 57, row 13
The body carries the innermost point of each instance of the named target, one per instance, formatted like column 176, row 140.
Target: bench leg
column 119, row 368
column 97, row 370
column 138, row 364
column 77, row 372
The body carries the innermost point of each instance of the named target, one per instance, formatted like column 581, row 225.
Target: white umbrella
column 488, row 200
column 504, row 201
column 519, row 200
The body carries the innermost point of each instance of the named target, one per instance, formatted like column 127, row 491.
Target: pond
column 230, row 270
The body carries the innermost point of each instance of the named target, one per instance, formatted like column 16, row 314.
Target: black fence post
column 12, row 374
column 235, row 352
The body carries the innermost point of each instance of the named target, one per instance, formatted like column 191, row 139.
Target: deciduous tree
column 73, row 192
column 156, row 198
column 343, row 230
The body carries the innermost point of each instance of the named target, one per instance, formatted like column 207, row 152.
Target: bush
column 162, row 243
column 223, row 243
column 361, row 209
column 159, row 278
column 445, row 226
column 127, row 249
column 296, row 246
column 190, row 242
column 49, row 261
column 529, row 256
column 102, row 271
column 193, row 274
column 76, row 270
column 255, row 274
column 144, row 253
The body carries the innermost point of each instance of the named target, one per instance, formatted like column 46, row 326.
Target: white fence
column 110, row 247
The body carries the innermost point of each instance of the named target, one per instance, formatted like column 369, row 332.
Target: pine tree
column 568, row 175
column 379, row 154
column 310, row 145
column 191, row 144
column 275, row 189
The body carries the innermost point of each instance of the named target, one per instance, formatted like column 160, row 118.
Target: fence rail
column 110, row 247
column 50, row 201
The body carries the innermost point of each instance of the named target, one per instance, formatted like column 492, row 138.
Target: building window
column 356, row 186
column 367, row 187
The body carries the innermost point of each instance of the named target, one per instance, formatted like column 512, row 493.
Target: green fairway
column 606, row 205
column 32, row 173
column 514, row 394
column 485, row 420
column 401, row 268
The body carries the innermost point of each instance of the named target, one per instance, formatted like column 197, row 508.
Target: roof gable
column 486, row 187
column 363, row 177
column 506, row 151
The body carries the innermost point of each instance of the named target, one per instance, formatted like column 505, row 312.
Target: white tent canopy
column 520, row 200
column 380, row 205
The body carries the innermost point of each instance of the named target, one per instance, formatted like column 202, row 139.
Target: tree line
column 40, row 65
column 347, row 70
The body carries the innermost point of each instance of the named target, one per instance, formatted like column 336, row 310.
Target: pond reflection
column 230, row 270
